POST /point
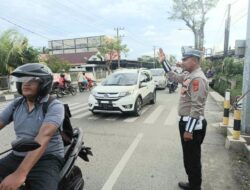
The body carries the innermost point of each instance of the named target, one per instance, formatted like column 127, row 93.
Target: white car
column 124, row 91
column 159, row 77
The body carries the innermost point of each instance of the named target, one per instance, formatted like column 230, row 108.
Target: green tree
column 109, row 47
column 15, row 51
column 30, row 55
column 57, row 65
column 12, row 45
column 148, row 61
column 193, row 13
column 172, row 60
column 232, row 67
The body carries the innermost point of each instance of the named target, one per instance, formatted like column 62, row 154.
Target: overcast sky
column 145, row 22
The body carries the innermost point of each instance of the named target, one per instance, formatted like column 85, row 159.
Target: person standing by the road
column 192, row 124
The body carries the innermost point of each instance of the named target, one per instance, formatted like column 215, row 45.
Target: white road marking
column 93, row 118
column 79, row 110
column 77, row 106
column 133, row 119
column 172, row 117
column 112, row 118
column 73, row 104
column 120, row 166
column 82, row 115
column 154, row 115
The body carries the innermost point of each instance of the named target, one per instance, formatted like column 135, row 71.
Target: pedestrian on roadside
column 192, row 123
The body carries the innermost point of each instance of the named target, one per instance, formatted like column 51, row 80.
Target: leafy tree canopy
column 57, row 65
column 15, row 51
column 193, row 13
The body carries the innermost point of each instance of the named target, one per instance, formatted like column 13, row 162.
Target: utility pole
column 118, row 38
column 227, row 31
column 245, row 128
column 154, row 48
column 154, row 56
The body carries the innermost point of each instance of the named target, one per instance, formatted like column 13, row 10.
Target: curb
column 8, row 97
column 243, row 144
column 217, row 97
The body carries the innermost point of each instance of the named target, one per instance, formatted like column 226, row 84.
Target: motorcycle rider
column 38, row 169
column 63, row 83
column 82, row 79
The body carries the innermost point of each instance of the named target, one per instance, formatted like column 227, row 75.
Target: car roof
column 156, row 69
column 130, row 70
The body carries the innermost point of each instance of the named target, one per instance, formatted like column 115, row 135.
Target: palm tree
column 12, row 47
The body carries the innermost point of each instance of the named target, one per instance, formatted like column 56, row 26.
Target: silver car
column 159, row 77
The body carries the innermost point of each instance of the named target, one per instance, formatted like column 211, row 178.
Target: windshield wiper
column 128, row 84
column 111, row 84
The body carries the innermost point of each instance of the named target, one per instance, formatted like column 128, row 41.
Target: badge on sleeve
column 195, row 85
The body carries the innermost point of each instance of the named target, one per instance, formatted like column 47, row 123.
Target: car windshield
column 121, row 79
column 158, row 72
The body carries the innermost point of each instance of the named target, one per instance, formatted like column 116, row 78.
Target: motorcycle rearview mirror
column 24, row 145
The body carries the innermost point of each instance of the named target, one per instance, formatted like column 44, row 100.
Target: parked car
column 159, row 77
column 124, row 91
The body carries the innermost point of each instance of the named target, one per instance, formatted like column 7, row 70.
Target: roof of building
column 76, row 58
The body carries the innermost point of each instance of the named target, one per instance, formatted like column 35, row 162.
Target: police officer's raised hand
column 187, row 136
column 162, row 56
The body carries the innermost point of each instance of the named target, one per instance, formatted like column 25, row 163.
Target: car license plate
column 104, row 102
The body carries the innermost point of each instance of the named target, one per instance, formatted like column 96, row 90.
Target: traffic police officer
column 192, row 124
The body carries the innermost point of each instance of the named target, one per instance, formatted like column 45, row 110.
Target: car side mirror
column 143, row 84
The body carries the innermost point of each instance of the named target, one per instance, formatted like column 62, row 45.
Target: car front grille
column 108, row 107
column 107, row 96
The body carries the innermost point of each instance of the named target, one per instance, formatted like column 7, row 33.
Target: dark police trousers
column 43, row 176
column 192, row 154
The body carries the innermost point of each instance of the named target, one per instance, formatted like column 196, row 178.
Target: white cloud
column 145, row 22
column 150, row 31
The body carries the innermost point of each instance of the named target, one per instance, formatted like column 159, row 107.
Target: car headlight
column 123, row 94
column 93, row 93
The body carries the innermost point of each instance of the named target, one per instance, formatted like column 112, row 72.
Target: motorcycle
column 70, row 175
column 60, row 92
column 89, row 86
column 172, row 86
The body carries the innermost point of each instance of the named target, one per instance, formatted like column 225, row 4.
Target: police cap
column 191, row 53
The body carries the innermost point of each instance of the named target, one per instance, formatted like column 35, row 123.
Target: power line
column 19, row 26
column 239, row 18
column 98, row 17
column 76, row 19
column 234, row 2
column 28, row 30
column 220, row 26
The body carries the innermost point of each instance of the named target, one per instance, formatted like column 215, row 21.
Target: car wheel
column 137, row 107
column 153, row 100
column 59, row 93
column 93, row 113
column 169, row 89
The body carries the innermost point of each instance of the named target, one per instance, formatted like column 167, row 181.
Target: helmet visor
column 26, row 79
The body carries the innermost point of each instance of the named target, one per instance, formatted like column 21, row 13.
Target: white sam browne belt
column 198, row 125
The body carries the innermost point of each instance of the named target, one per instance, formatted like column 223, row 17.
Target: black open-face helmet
column 40, row 72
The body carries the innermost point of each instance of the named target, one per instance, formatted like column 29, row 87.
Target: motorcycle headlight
column 162, row 81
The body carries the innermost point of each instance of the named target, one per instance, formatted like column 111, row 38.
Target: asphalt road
column 143, row 153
